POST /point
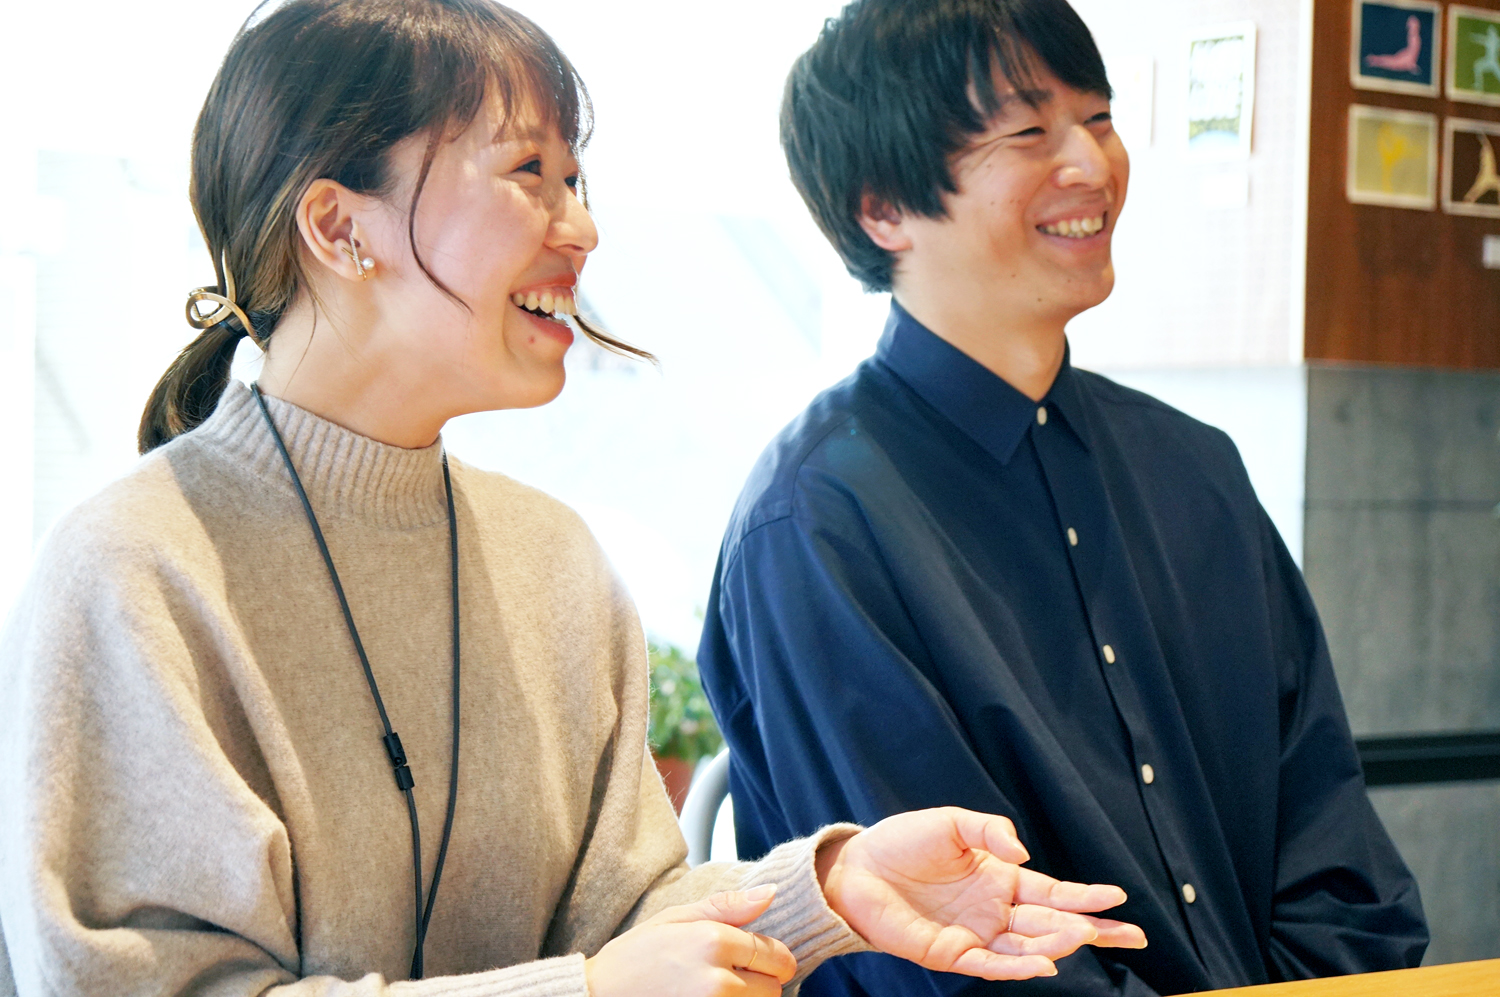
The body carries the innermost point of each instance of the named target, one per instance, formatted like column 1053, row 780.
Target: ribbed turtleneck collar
column 345, row 474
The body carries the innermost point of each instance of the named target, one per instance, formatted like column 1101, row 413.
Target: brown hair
column 325, row 88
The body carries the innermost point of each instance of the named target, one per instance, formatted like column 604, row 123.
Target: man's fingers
column 1038, row 888
column 734, row 907
column 990, row 832
column 995, row 966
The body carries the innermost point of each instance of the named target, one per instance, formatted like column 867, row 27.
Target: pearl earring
column 361, row 266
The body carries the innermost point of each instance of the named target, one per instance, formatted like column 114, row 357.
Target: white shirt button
column 1148, row 774
column 1041, row 416
column 1188, row 893
column 1109, row 654
column 1072, row 537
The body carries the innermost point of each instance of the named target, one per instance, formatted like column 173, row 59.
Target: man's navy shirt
column 935, row 591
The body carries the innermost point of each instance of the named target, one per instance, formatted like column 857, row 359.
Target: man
column 971, row 574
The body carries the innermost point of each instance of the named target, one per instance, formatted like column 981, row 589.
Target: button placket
column 1101, row 613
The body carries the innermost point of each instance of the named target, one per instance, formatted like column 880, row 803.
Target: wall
column 1403, row 479
column 1207, row 308
column 1203, row 282
column 1386, row 284
column 1403, row 560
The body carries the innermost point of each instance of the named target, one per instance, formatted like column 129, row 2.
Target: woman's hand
column 944, row 889
column 696, row 950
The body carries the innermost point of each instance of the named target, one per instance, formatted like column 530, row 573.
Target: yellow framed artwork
column 1393, row 158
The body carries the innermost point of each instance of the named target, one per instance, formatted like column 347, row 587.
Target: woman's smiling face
column 500, row 224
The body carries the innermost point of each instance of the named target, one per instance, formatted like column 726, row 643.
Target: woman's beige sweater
column 195, row 796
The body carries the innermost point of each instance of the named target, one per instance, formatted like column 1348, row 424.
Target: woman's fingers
column 1055, row 934
column 1044, row 932
column 759, row 954
column 990, row 832
column 695, row 949
column 758, row 984
column 734, row 907
column 997, row 966
column 1117, row 934
column 1038, row 888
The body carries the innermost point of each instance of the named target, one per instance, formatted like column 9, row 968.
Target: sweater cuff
column 800, row 916
column 560, row 977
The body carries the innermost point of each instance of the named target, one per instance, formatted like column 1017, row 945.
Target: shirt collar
column 987, row 408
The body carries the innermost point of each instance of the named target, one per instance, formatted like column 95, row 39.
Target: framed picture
column 1220, row 91
column 1393, row 158
column 1471, row 182
column 1473, row 54
column 1394, row 46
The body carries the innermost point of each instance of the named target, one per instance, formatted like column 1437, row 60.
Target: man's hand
column 944, row 889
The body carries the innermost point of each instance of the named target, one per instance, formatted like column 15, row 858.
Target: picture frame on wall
column 1393, row 158
column 1471, row 178
column 1220, row 91
column 1473, row 54
column 1395, row 46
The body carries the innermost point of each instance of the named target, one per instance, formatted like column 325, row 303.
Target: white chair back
column 701, row 808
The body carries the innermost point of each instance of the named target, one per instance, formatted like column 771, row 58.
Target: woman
column 222, row 662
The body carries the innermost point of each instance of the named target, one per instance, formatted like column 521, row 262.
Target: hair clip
column 226, row 306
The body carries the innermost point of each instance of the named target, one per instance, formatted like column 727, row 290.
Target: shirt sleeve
column 807, row 649
column 1344, row 900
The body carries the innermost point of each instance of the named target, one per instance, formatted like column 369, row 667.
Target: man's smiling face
column 1029, row 229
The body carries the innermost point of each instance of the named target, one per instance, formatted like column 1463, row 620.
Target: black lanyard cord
column 392, row 740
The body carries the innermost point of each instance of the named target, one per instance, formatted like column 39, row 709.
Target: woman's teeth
column 559, row 302
column 1075, row 228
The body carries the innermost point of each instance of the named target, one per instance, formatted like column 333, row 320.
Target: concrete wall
column 1402, row 554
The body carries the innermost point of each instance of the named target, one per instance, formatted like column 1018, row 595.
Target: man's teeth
column 1075, row 228
column 559, row 302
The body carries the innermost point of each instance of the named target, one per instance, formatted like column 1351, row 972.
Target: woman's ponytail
column 189, row 391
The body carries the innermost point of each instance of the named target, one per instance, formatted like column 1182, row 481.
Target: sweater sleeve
column 635, row 853
column 138, row 854
column 141, row 851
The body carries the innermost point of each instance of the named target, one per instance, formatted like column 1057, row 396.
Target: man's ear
column 325, row 219
column 883, row 224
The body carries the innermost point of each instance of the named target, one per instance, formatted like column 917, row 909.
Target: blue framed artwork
column 1396, row 46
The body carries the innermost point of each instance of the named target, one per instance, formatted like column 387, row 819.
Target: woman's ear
column 883, row 224
column 325, row 218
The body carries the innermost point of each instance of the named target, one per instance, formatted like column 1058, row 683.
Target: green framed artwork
column 1393, row 158
column 1473, row 54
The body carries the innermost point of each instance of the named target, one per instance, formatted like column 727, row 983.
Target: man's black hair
column 892, row 89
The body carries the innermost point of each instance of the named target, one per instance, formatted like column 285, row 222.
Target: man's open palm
column 938, row 887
